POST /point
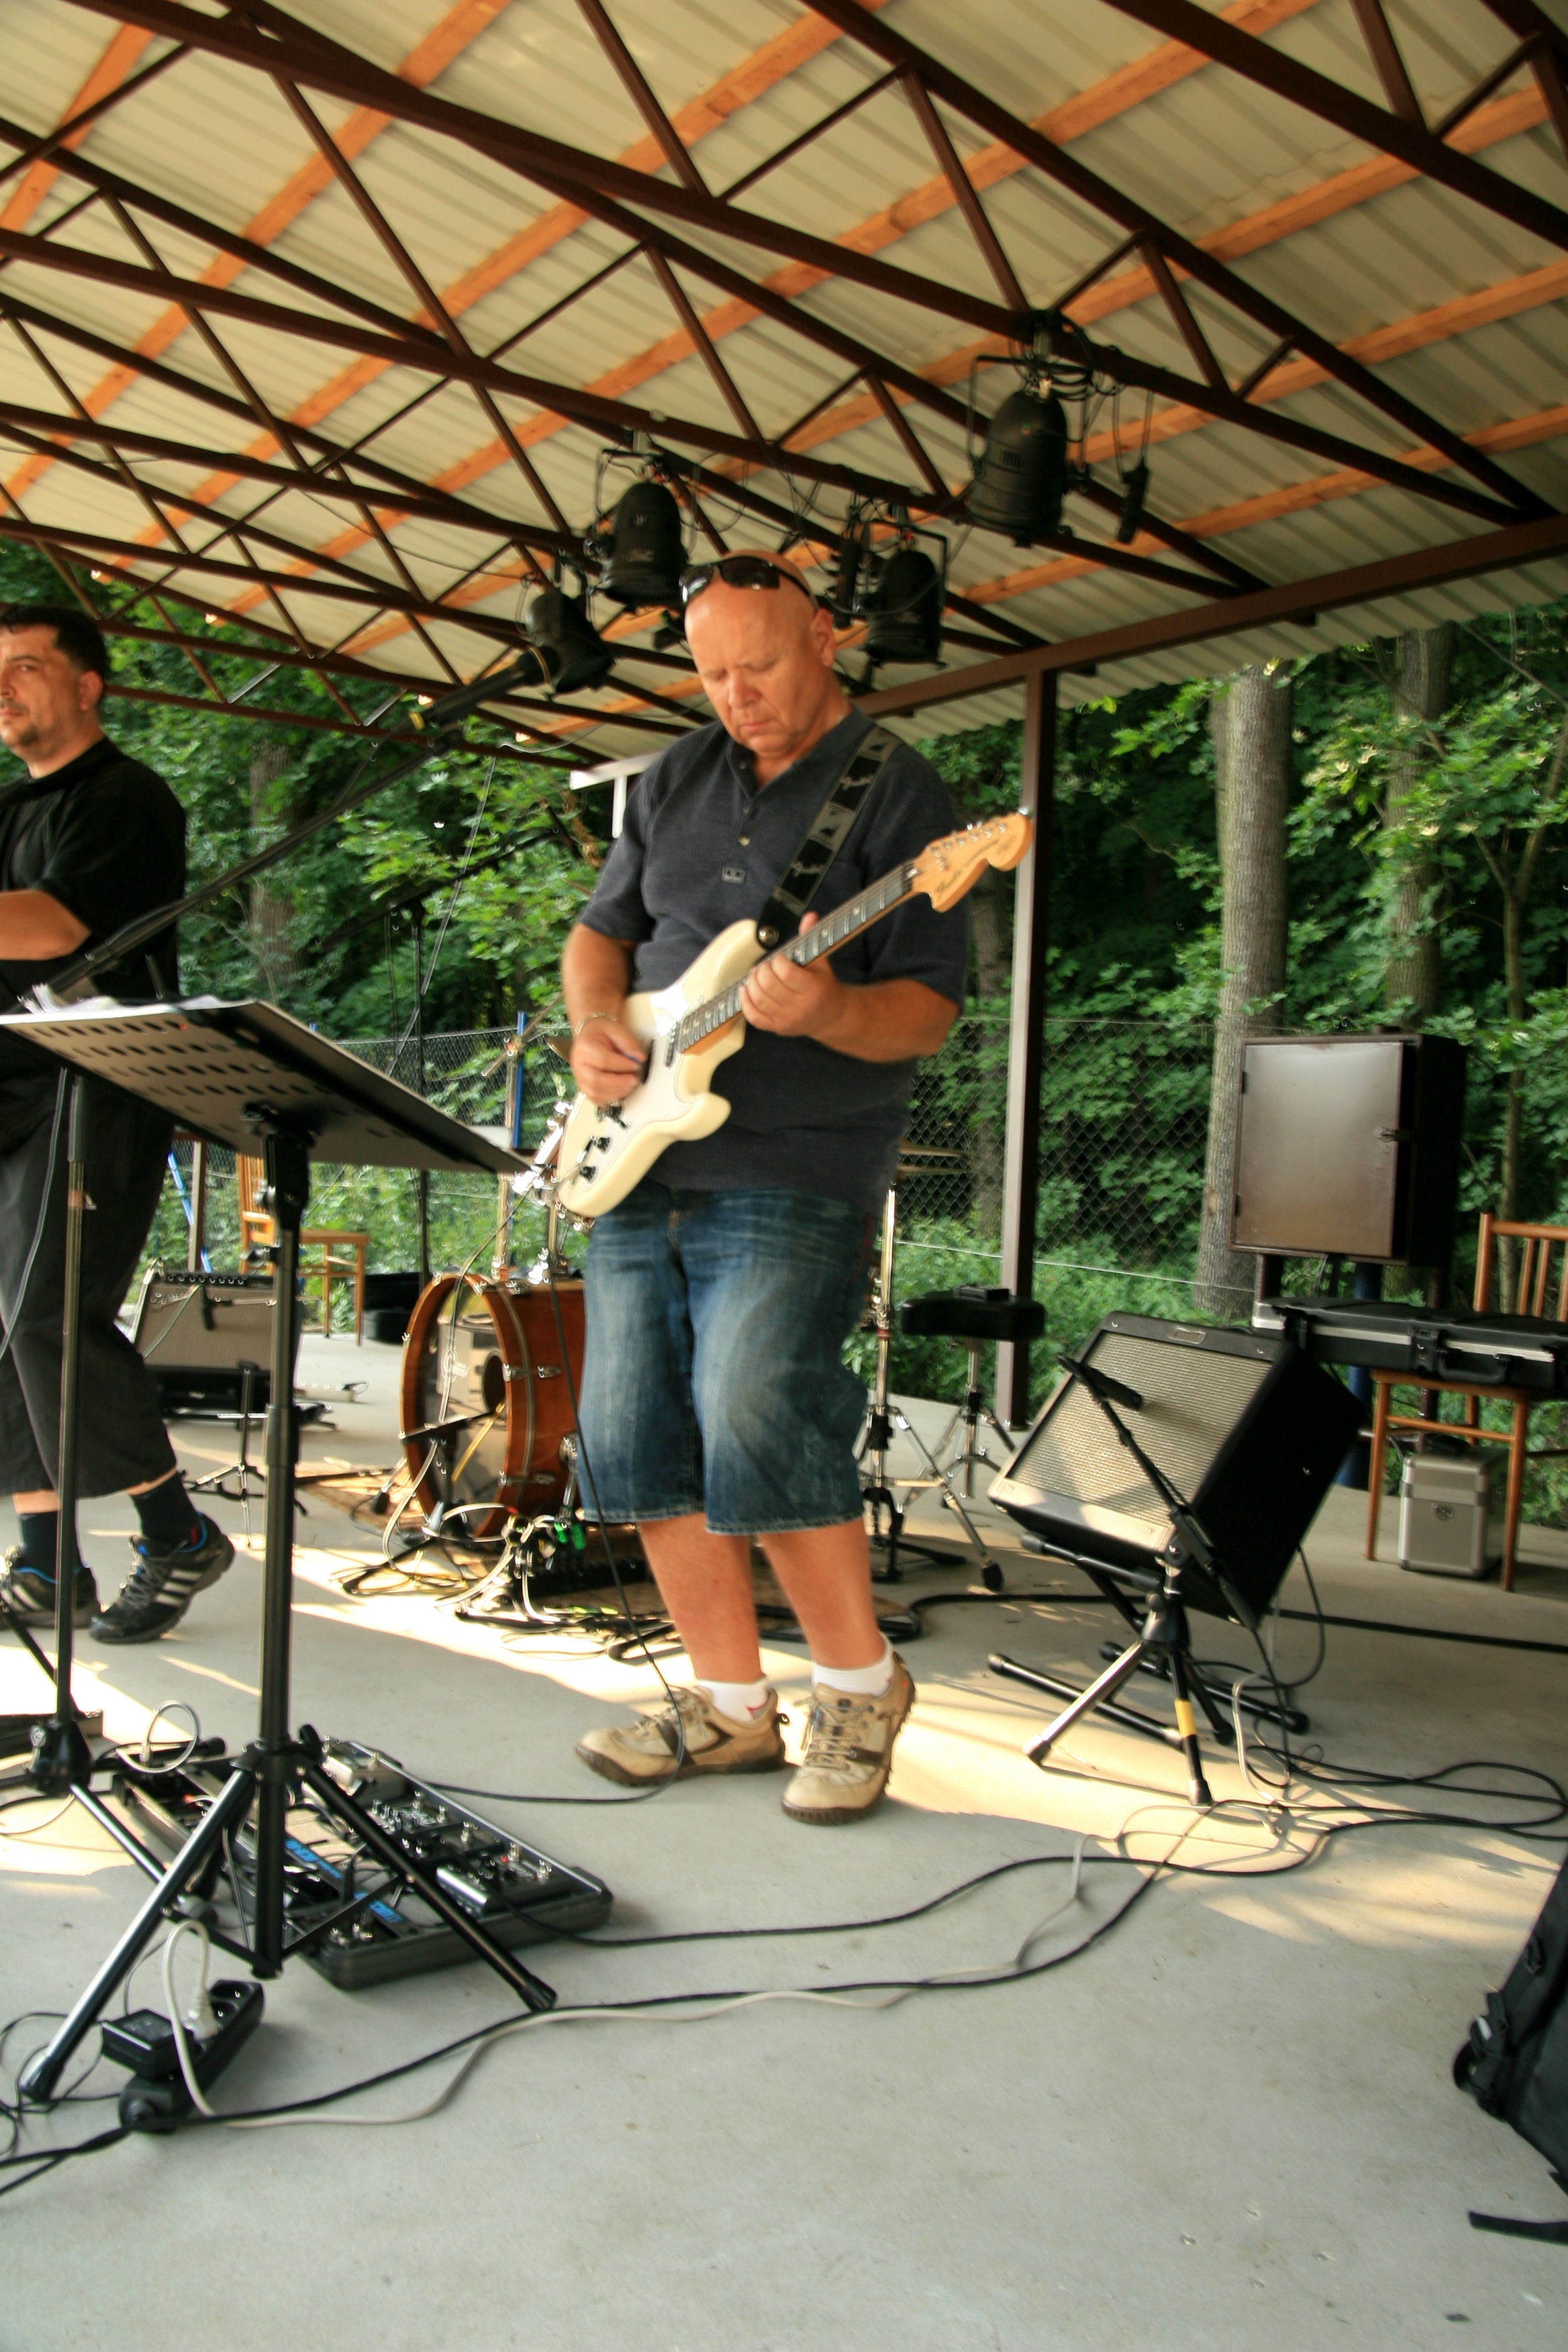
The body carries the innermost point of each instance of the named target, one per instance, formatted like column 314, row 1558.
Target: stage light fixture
column 1022, row 476
column 648, row 547
column 848, row 592
column 574, row 654
column 1134, row 499
column 906, row 604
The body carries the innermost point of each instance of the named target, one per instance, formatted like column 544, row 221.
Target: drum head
column 487, row 1354
column 463, row 1351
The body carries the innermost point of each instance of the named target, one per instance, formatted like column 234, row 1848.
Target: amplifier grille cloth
column 1192, row 1402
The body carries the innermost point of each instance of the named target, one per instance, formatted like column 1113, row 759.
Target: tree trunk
column 1250, row 721
column 1513, row 1115
column 1418, row 688
column 991, row 931
column 271, row 923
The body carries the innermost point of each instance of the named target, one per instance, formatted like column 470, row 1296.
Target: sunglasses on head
column 738, row 571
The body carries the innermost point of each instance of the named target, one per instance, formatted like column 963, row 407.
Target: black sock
column 168, row 1516
column 40, row 1532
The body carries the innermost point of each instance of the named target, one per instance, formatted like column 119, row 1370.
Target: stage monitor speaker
column 196, row 1331
column 1247, row 1429
column 1348, row 1147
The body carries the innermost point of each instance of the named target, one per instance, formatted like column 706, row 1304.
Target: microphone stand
column 1165, row 1642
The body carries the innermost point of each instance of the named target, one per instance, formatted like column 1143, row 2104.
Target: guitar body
column 605, row 1151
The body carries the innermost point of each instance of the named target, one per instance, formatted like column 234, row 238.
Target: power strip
column 156, row 2097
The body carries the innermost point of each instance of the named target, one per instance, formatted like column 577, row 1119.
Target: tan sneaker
column 848, row 1758
column 645, row 1750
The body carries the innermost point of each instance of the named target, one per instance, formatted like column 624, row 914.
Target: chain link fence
column 1124, row 1109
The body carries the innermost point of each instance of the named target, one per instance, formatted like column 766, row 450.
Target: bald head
column 765, row 659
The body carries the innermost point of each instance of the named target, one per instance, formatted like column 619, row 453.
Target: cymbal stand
column 883, row 1418
column 249, row 1476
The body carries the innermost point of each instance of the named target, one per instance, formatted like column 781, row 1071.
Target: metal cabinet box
column 1442, row 1506
column 1348, row 1147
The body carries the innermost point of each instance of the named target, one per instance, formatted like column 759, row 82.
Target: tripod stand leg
column 1187, row 1726
column 288, row 1190
column 1104, row 1687
column 41, row 2073
column 1129, row 1717
column 61, row 1755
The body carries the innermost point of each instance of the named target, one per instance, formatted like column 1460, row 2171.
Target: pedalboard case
column 353, row 1918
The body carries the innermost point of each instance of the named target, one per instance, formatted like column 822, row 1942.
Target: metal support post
column 288, row 1190
column 61, row 1757
column 1025, row 1043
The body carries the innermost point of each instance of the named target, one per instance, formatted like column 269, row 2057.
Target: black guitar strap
column 793, row 893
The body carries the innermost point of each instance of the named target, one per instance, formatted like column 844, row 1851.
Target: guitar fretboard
column 856, row 915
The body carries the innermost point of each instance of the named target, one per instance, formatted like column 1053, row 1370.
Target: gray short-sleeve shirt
column 703, row 845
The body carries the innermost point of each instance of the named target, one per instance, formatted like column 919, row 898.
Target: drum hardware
column 883, row 1417
column 484, row 1357
column 446, row 1436
column 249, row 1476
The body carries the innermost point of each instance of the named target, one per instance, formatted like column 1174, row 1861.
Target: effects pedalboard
column 350, row 1915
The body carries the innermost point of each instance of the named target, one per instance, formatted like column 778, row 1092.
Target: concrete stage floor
column 1229, row 2125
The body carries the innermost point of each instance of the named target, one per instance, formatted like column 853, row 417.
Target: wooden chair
column 342, row 1252
column 1527, row 1289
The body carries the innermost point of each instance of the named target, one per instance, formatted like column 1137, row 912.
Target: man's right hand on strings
column 607, row 1061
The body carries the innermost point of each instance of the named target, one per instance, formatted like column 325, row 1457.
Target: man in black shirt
column 89, row 841
column 715, row 1405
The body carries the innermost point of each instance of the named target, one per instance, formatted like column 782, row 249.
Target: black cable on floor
column 1429, row 1632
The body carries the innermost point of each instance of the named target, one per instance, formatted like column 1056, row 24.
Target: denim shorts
column 713, row 1380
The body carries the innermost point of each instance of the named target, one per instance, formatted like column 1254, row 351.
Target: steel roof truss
column 1375, row 126
column 347, row 73
column 885, row 42
column 965, row 196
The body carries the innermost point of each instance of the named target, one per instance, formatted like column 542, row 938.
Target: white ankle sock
column 866, row 1682
column 741, row 1702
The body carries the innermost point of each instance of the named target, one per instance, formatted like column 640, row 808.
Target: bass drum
column 491, row 1350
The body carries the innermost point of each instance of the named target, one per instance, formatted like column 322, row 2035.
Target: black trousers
column 121, row 1438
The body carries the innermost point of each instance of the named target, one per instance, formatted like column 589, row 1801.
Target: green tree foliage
column 490, row 849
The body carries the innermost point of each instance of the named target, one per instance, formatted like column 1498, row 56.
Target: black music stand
column 234, row 1074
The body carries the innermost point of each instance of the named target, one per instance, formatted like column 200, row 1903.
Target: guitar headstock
column 945, row 869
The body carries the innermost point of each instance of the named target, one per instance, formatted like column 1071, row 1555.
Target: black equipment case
column 1515, row 2062
column 1454, row 1343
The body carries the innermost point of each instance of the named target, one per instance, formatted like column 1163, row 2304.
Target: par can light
column 905, row 621
column 648, row 551
column 1021, row 478
column 574, row 652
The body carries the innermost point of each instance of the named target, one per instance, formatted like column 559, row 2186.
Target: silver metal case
column 1443, row 1509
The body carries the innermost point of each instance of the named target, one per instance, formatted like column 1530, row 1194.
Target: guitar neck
column 857, row 914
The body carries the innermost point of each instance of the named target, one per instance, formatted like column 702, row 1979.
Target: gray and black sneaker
column 29, row 1594
column 162, row 1586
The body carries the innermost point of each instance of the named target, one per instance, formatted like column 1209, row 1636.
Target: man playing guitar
column 715, row 1405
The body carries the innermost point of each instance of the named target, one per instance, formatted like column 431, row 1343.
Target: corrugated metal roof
column 1452, row 305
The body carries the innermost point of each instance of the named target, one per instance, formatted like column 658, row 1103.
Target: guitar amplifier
column 196, row 1332
column 1248, row 1431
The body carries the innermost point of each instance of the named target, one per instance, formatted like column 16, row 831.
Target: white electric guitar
column 691, row 1027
